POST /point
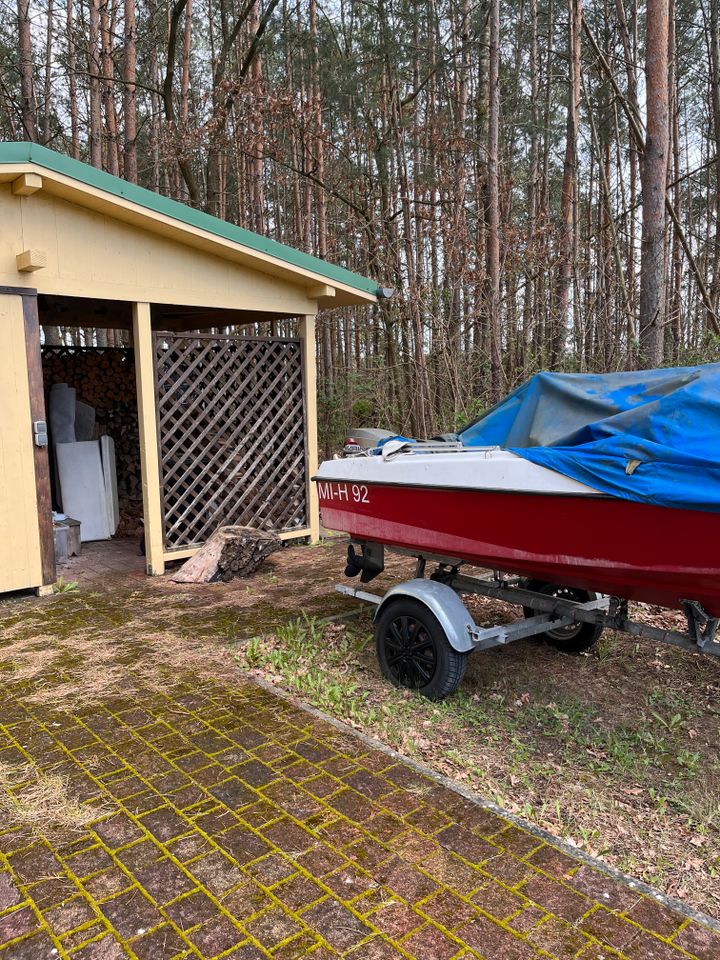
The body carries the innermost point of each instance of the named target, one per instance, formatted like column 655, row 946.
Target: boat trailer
column 424, row 632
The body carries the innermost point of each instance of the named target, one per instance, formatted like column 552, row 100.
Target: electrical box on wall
column 40, row 434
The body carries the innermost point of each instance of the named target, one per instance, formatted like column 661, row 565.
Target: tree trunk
column 715, row 96
column 533, row 185
column 493, row 189
column 28, row 104
column 567, row 240
column 94, row 55
column 628, row 34
column 169, row 103
column 72, row 80
column 258, row 144
column 673, row 344
column 47, row 91
column 106, row 87
column 654, row 185
column 155, row 121
column 129, row 101
column 185, row 66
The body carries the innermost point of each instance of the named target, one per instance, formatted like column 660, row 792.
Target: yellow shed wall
column 20, row 560
column 90, row 254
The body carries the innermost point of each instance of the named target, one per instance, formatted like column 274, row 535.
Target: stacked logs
column 105, row 379
column 231, row 552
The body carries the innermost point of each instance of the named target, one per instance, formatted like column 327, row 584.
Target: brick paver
column 104, row 560
column 237, row 825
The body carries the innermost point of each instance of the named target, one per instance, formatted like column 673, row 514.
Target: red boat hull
column 618, row 547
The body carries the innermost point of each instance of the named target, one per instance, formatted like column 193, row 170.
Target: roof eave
column 326, row 290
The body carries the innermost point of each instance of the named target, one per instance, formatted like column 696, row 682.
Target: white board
column 84, row 421
column 82, row 485
column 62, row 413
column 107, row 454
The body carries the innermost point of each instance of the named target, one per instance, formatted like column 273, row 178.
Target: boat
column 491, row 508
column 601, row 483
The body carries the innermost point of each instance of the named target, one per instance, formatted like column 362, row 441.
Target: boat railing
column 395, row 448
column 398, row 448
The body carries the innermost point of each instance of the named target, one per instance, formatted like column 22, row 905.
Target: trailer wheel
column 414, row 652
column 575, row 638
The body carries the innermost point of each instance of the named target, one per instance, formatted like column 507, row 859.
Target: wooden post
column 149, row 457
column 40, row 454
column 307, row 332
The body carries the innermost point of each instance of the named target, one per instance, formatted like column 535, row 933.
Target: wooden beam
column 179, row 318
column 30, row 260
column 307, row 333
column 18, row 291
column 184, row 553
column 149, row 456
column 298, row 534
column 40, row 454
column 320, row 291
column 27, row 184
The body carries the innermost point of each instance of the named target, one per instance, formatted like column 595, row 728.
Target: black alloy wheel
column 576, row 637
column 414, row 651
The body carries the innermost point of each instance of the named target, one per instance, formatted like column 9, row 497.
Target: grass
column 291, row 655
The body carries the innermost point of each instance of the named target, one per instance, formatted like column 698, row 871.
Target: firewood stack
column 229, row 553
column 105, row 379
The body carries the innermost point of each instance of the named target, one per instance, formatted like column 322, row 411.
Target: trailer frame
column 441, row 593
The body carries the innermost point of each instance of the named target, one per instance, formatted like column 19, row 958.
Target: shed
column 227, row 423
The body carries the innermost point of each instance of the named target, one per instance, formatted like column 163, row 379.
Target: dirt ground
column 616, row 751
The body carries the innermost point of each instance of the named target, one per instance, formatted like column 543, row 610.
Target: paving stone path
column 238, row 825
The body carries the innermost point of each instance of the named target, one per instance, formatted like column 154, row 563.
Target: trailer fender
column 445, row 605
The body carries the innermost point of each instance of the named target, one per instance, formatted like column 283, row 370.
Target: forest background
column 536, row 179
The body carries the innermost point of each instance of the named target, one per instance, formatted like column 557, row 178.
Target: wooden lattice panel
column 231, row 428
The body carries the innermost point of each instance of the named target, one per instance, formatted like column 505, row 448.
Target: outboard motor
column 369, row 563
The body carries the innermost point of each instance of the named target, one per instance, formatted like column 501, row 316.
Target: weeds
column 252, row 652
column 65, row 586
column 309, row 657
column 604, row 648
column 672, row 724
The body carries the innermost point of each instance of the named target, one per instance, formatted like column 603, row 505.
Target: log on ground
column 229, row 553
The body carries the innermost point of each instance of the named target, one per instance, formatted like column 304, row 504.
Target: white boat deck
column 459, row 468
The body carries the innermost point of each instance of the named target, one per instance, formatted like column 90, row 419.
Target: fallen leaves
column 42, row 800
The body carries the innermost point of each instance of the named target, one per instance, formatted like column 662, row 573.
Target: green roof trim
column 24, row 152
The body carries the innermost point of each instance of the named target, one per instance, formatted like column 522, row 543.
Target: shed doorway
column 87, row 347
column 224, row 416
column 103, row 377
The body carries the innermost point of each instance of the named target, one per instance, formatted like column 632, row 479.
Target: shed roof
column 264, row 253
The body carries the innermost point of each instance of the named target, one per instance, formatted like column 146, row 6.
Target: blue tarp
column 650, row 435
